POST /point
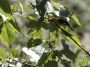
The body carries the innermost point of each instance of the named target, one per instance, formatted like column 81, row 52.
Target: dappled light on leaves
column 31, row 31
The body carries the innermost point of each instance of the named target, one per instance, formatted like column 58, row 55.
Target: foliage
column 38, row 23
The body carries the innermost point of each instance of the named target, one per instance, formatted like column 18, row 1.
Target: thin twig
column 20, row 4
column 80, row 46
column 55, row 54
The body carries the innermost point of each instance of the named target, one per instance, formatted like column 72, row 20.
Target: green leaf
column 31, row 17
column 14, row 8
column 2, row 55
column 54, row 5
column 14, row 52
column 34, row 42
column 37, row 34
column 74, row 17
column 7, row 15
column 53, row 36
column 51, row 64
column 84, row 62
column 71, row 38
column 5, row 6
column 52, row 26
column 67, row 52
column 43, row 59
column 74, row 40
column 5, row 9
column 8, row 33
column 1, row 24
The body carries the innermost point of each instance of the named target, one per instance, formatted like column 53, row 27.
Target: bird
column 64, row 22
